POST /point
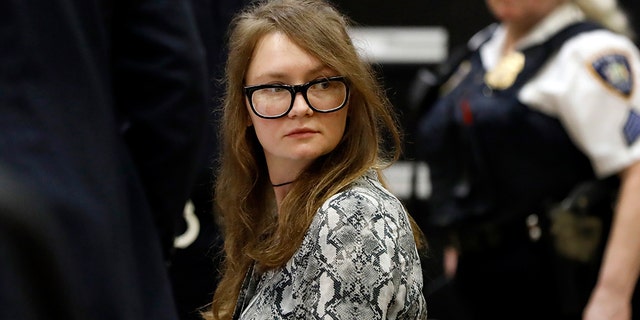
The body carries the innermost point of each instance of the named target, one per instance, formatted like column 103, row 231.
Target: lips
column 301, row 131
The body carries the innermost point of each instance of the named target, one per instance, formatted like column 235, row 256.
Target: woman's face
column 522, row 11
column 293, row 141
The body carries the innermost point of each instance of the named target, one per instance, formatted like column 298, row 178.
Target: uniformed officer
column 545, row 102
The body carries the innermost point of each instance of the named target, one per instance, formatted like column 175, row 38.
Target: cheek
column 264, row 130
column 338, row 125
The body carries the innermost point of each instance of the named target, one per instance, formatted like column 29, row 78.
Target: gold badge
column 505, row 73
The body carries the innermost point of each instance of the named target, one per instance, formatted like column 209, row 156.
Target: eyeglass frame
column 294, row 89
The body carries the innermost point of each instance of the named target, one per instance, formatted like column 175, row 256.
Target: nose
column 300, row 106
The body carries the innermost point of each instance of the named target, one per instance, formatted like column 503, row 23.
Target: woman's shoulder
column 367, row 188
column 364, row 198
column 365, row 209
column 598, row 57
column 593, row 45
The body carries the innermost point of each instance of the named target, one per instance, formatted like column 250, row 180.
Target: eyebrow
column 282, row 75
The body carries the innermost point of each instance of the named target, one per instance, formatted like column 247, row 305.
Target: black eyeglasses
column 271, row 101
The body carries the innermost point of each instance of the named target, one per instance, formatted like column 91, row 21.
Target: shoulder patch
column 632, row 127
column 615, row 72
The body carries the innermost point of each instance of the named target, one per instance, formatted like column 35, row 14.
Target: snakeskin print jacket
column 358, row 260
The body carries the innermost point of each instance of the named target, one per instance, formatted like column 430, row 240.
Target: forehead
column 277, row 56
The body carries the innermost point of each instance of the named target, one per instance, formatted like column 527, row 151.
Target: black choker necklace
column 282, row 184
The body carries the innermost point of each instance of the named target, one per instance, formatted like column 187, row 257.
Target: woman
column 545, row 101
column 310, row 231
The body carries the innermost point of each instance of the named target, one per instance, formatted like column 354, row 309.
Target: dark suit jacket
column 195, row 269
column 102, row 112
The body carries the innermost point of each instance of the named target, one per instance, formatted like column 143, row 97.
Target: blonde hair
column 608, row 13
column 244, row 197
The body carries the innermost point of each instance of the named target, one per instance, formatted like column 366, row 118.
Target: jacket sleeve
column 160, row 92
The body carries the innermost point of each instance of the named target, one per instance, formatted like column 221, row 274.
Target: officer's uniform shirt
column 590, row 86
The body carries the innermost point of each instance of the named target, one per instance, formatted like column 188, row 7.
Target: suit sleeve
column 161, row 93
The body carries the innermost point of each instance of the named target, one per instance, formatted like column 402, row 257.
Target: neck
column 514, row 34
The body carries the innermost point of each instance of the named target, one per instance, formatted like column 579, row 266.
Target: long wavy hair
column 253, row 231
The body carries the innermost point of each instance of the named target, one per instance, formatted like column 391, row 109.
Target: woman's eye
column 321, row 85
column 276, row 90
